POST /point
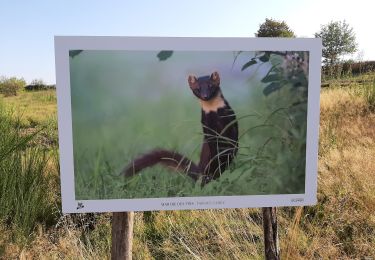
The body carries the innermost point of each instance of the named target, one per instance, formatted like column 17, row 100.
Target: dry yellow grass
column 205, row 234
column 342, row 225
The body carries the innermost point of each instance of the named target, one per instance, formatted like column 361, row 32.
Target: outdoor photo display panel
column 187, row 123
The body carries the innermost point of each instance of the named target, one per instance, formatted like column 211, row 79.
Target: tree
column 273, row 28
column 338, row 39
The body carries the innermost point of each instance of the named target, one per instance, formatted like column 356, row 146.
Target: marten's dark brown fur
column 220, row 142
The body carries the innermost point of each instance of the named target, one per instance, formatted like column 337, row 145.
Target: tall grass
column 24, row 181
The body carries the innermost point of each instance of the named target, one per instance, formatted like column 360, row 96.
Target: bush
column 10, row 86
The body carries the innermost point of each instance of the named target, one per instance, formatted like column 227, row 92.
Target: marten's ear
column 193, row 82
column 215, row 78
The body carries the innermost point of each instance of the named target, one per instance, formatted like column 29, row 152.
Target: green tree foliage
column 273, row 28
column 10, row 86
column 338, row 39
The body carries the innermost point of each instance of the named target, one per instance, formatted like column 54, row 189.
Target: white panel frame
column 65, row 43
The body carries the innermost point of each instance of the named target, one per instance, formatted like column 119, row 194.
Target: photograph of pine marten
column 156, row 124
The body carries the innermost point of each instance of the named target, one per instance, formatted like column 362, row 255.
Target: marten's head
column 206, row 87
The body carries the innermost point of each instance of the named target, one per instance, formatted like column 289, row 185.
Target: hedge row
column 349, row 68
column 39, row 87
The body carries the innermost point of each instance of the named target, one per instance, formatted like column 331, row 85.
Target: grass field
column 34, row 108
column 340, row 226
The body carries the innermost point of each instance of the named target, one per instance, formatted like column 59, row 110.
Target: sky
column 27, row 28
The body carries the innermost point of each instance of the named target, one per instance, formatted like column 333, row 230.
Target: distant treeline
column 349, row 68
column 33, row 87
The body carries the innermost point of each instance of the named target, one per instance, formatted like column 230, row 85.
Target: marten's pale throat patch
column 213, row 104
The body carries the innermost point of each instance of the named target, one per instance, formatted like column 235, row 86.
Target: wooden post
column 271, row 241
column 122, row 235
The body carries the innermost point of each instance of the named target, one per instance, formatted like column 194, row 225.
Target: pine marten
column 220, row 141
